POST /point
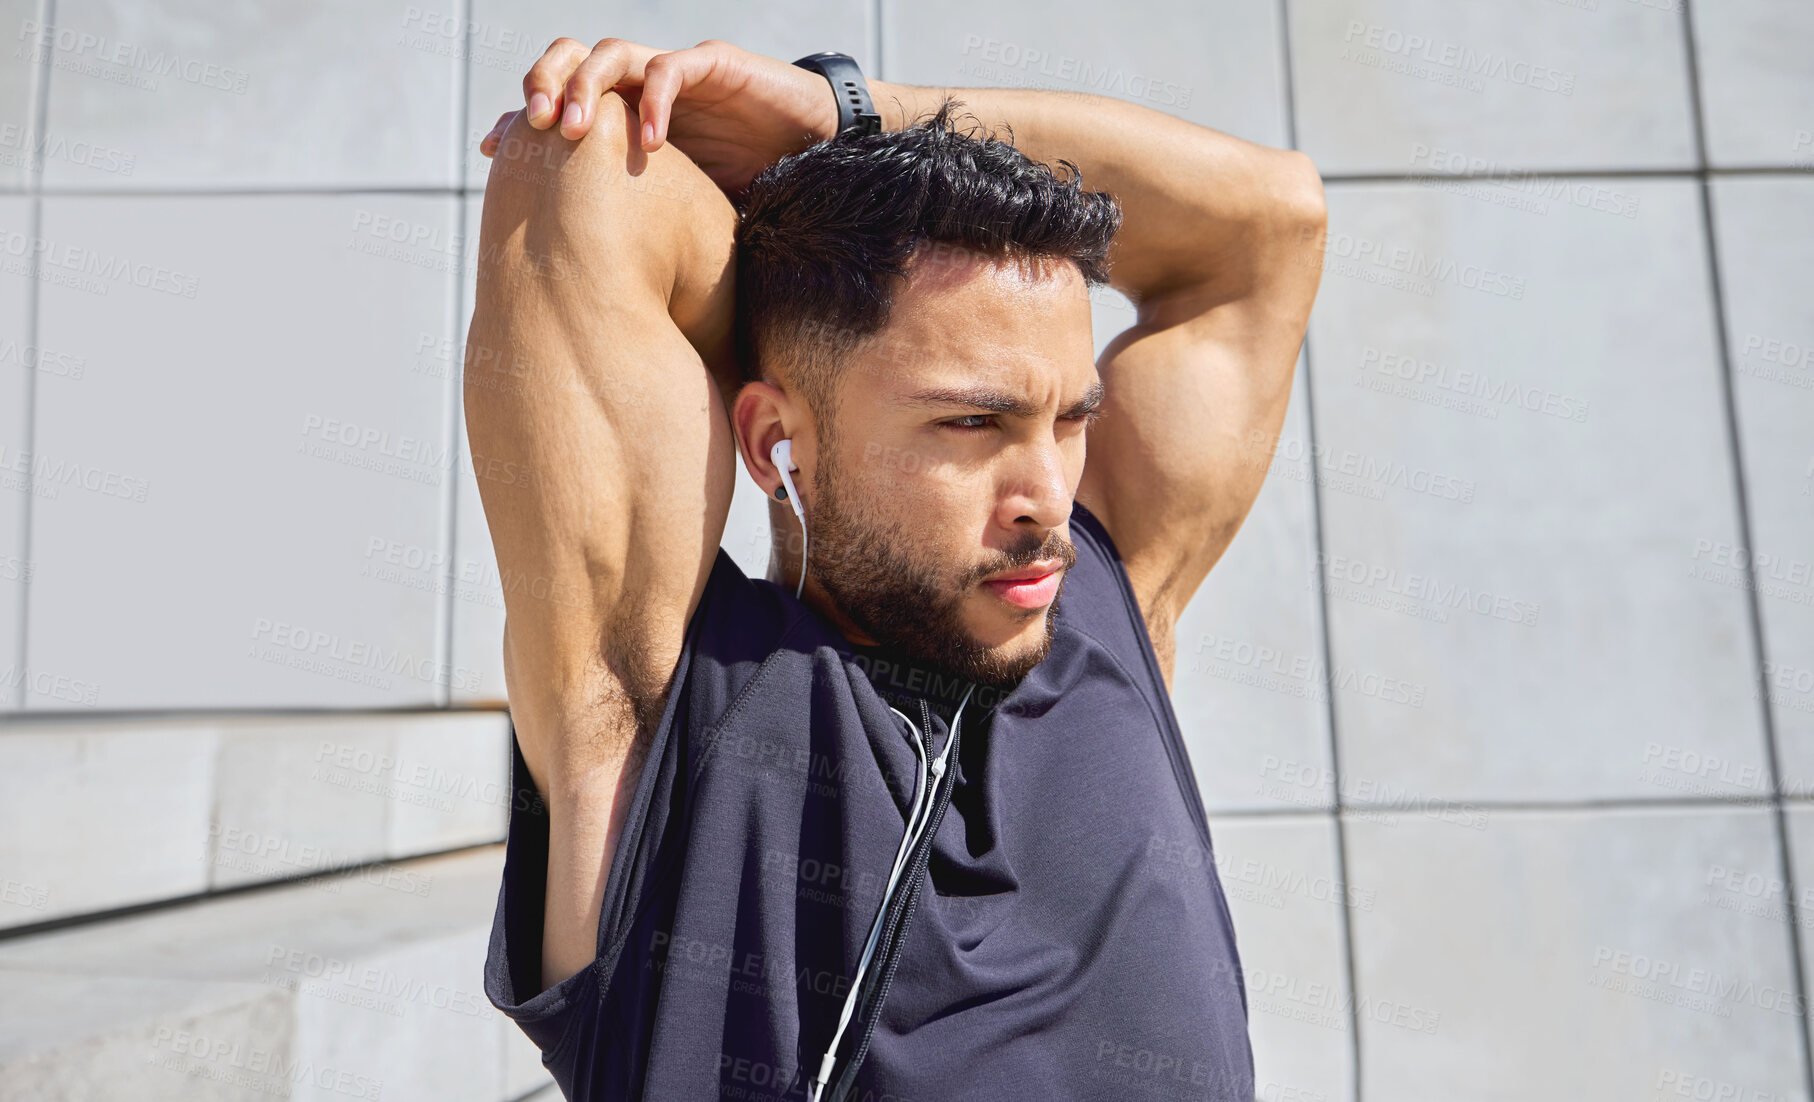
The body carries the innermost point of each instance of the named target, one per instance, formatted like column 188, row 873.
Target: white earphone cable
column 798, row 589
column 916, row 829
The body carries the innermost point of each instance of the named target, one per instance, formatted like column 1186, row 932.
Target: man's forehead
column 968, row 322
column 987, row 318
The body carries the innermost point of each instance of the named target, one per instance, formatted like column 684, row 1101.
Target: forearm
column 1194, row 200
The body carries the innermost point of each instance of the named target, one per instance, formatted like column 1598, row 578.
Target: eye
column 961, row 425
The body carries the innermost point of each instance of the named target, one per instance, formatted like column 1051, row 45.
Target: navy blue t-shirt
column 1061, row 935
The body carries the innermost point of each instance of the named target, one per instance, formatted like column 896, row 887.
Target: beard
column 911, row 605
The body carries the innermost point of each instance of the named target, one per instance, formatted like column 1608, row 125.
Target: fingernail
column 648, row 133
column 571, row 118
column 538, row 105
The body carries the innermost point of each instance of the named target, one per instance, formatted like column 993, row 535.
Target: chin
column 1008, row 629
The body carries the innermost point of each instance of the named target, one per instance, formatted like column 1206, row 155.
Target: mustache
column 1053, row 546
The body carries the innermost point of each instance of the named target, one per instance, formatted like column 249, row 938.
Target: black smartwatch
column 856, row 111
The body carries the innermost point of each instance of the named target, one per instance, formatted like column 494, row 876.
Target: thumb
column 488, row 145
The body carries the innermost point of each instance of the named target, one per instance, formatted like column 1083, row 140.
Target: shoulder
column 740, row 620
column 742, row 627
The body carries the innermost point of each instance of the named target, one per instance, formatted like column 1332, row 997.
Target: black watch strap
column 855, row 109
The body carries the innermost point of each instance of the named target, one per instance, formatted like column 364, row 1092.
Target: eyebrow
column 997, row 401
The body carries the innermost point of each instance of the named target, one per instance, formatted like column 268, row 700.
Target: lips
column 1029, row 587
column 1027, row 573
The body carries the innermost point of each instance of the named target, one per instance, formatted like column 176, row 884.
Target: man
column 912, row 817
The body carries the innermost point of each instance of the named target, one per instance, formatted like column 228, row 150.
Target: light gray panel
column 1279, row 875
column 1522, row 438
column 1577, row 954
column 22, row 24
column 247, row 453
column 1396, row 86
column 506, row 38
column 442, row 1045
column 229, row 938
column 1763, row 228
column 93, row 818
column 1217, row 65
column 1763, row 896
column 20, row 358
column 381, row 987
column 298, row 798
column 450, row 784
column 1757, row 84
column 96, row 816
column 208, row 95
column 116, row 1037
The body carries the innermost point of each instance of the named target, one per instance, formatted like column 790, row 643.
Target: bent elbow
column 1302, row 198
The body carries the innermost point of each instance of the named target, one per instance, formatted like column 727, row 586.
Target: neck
column 784, row 571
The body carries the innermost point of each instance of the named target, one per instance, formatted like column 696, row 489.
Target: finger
column 488, row 145
column 543, row 83
column 611, row 61
column 664, row 75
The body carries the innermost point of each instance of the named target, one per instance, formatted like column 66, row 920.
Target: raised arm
column 1221, row 251
column 594, row 364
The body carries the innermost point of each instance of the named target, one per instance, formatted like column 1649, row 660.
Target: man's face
column 957, row 451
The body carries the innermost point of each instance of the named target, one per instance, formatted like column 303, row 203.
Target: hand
column 733, row 112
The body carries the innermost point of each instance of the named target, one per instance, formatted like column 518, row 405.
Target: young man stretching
column 912, row 817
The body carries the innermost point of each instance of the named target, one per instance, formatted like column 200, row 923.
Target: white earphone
column 782, row 456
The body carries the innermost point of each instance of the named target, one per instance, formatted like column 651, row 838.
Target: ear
column 762, row 416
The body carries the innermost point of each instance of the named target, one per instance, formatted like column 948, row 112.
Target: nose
column 1039, row 490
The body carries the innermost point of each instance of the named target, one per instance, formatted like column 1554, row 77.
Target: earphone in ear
column 782, row 456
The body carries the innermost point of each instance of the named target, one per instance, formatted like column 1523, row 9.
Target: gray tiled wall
column 1502, row 702
column 1763, row 226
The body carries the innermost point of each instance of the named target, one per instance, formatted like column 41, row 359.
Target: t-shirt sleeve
column 513, row 963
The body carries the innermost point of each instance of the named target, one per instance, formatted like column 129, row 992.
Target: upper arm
column 605, row 461
column 1173, row 468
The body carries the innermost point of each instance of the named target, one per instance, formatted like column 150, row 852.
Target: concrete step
column 361, row 985
column 96, row 816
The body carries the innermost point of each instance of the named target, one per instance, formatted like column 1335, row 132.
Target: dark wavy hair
column 826, row 237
